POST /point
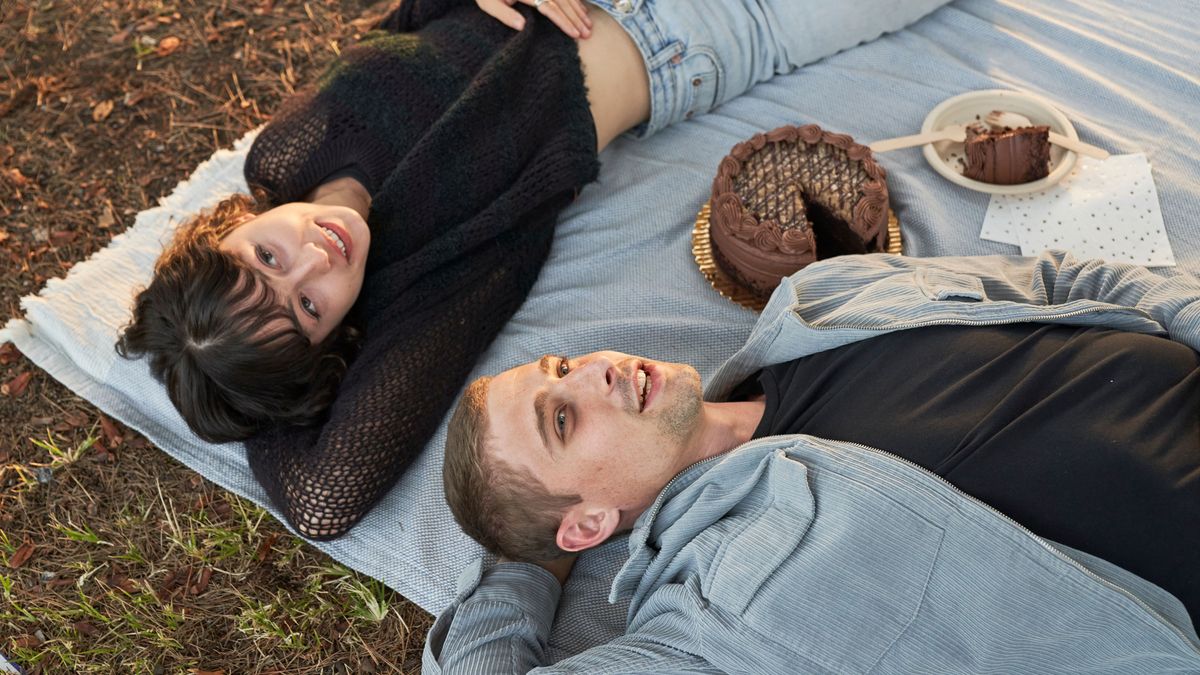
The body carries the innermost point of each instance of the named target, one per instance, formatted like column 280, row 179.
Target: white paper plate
column 948, row 158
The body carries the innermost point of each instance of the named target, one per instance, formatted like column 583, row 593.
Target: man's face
column 610, row 427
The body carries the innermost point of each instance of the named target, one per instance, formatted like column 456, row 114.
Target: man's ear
column 584, row 526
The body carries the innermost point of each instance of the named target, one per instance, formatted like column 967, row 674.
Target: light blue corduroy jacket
column 797, row 554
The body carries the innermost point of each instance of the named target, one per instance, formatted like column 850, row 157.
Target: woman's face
column 312, row 255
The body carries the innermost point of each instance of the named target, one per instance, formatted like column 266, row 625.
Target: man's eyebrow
column 544, row 363
column 539, row 407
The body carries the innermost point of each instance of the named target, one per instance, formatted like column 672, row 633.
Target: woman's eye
column 563, row 368
column 264, row 256
column 560, row 422
column 309, row 308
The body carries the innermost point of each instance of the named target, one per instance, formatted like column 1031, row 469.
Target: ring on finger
column 538, row 3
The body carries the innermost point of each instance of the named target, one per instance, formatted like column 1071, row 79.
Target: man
column 795, row 553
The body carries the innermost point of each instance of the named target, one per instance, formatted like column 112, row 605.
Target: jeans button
column 697, row 82
column 624, row 6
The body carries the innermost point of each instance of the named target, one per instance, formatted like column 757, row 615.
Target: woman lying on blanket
column 410, row 197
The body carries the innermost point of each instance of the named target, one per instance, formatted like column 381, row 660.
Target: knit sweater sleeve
column 326, row 478
column 459, row 230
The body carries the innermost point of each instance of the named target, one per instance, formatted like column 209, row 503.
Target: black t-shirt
column 1089, row 437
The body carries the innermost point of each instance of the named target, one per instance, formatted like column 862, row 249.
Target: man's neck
column 345, row 191
column 723, row 427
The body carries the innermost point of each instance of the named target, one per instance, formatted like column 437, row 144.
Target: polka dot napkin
column 1103, row 209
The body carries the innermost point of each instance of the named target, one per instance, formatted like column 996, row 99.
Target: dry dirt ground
column 114, row 557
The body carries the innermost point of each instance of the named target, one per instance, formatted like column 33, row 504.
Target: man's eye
column 309, row 308
column 264, row 256
column 560, row 422
column 563, row 367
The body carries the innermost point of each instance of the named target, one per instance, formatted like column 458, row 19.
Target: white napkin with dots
column 1103, row 209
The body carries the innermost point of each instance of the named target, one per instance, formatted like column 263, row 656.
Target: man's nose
column 600, row 373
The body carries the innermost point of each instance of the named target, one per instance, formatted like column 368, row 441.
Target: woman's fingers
column 569, row 15
column 503, row 11
column 581, row 11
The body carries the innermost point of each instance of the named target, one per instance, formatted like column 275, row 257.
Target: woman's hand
column 569, row 15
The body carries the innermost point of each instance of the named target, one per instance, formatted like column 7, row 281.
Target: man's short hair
column 505, row 508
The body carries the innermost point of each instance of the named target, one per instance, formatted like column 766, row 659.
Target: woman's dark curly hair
column 233, row 359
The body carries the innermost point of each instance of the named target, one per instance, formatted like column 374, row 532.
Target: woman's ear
column 584, row 527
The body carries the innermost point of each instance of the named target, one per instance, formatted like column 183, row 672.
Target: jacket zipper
column 658, row 503
column 1045, row 544
column 968, row 322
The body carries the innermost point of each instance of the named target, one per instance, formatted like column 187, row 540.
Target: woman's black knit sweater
column 473, row 137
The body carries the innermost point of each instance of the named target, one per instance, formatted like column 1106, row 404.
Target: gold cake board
column 726, row 286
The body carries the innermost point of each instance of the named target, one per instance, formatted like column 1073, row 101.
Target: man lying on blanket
column 1039, row 490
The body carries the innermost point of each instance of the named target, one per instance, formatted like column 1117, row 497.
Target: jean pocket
column 702, row 80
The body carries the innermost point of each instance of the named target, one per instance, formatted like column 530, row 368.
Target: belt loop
column 665, row 55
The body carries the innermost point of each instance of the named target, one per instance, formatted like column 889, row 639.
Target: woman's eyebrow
column 291, row 303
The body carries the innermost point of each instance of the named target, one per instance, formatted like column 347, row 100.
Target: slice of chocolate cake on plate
column 1007, row 156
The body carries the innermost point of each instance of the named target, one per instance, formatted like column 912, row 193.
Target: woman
column 459, row 141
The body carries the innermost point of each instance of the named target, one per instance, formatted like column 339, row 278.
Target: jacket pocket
column 942, row 285
column 835, row 583
column 771, row 531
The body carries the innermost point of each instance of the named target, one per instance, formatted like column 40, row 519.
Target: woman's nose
column 312, row 258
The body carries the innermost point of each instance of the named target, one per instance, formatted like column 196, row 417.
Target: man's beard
column 677, row 421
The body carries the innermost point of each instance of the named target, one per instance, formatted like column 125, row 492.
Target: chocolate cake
column 786, row 198
column 1007, row 156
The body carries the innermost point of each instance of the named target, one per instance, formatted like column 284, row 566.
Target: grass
column 137, row 587
column 115, row 558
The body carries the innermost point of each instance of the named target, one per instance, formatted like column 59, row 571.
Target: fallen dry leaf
column 102, row 453
column 21, row 555
column 8, row 353
column 85, row 628
column 201, row 584
column 16, row 386
column 197, row 671
column 264, row 549
column 133, row 98
column 112, row 436
column 75, row 418
column 120, row 36
column 168, row 45
column 102, row 110
column 26, row 642
column 14, row 174
column 117, row 580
